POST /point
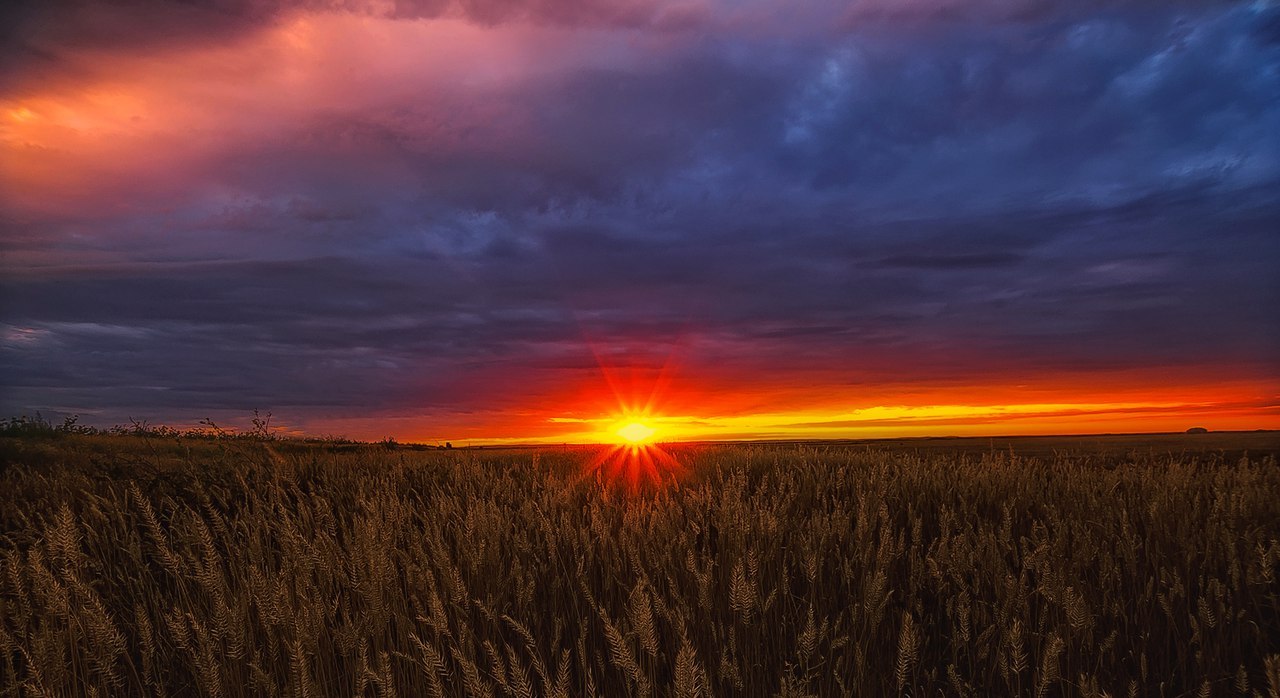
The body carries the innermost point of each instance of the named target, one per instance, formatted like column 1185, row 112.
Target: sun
column 636, row 432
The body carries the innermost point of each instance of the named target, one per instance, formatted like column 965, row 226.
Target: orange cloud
column 132, row 130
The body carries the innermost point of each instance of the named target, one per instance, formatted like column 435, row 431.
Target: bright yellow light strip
column 635, row 432
column 876, row 421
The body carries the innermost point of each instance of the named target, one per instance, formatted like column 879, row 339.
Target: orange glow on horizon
column 697, row 410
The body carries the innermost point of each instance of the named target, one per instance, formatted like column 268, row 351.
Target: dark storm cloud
column 1071, row 188
column 956, row 261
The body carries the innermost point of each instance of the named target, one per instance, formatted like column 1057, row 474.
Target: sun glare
column 636, row 432
column 634, row 456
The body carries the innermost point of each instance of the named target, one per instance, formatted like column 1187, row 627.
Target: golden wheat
column 238, row 570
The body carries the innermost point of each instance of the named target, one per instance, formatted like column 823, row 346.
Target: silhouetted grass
column 142, row 566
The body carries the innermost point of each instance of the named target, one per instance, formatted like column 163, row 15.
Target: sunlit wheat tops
column 132, row 568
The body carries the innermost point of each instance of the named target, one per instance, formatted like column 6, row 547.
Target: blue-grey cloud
column 1082, row 188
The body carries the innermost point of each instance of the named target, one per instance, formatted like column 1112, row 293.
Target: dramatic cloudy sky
column 515, row 219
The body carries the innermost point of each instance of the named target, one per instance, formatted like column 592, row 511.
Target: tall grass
column 273, row 570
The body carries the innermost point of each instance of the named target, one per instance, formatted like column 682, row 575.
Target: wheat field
column 147, row 566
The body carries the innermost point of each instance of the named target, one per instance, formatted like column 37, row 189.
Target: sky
column 525, row 220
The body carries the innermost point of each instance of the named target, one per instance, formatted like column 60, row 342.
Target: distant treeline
column 260, row 429
column 41, row 426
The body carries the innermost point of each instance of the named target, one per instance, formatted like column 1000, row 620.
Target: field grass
column 179, row 566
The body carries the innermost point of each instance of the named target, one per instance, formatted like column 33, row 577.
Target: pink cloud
column 129, row 131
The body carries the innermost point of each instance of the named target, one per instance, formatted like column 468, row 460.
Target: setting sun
column 636, row 432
